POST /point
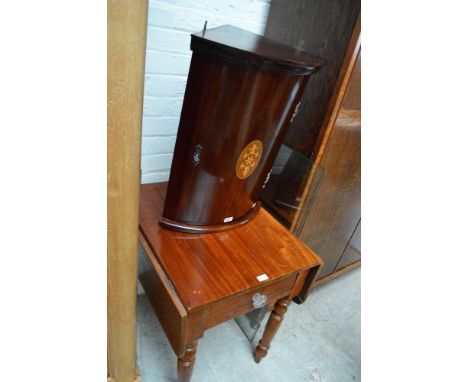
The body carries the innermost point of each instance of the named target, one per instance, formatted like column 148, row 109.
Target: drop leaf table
column 197, row 281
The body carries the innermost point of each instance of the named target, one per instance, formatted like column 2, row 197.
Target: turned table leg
column 186, row 362
column 271, row 328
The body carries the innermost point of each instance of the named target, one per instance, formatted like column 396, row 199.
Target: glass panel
column 318, row 175
column 283, row 193
column 250, row 322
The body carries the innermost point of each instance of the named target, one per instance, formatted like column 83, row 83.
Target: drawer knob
column 259, row 300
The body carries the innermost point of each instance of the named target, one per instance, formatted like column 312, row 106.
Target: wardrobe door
column 330, row 222
column 352, row 252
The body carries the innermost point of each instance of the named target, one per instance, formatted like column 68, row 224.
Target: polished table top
column 205, row 268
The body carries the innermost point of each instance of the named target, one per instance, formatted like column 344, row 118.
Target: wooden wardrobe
column 314, row 187
column 332, row 223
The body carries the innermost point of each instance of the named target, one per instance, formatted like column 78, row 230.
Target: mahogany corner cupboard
column 242, row 92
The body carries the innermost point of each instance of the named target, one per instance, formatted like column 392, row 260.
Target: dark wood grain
column 186, row 362
column 165, row 302
column 290, row 216
column 228, row 104
column 300, row 279
column 352, row 253
column 231, row 44
column 352, row 99
column 195, row 282
column 326, row 27
column 207, row 268
column 242, row 303
column 305, row 287
column 272, row 326
column 336, row 210
column 337, row 207
column 327, row 279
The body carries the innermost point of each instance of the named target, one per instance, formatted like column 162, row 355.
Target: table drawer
column 242, row 303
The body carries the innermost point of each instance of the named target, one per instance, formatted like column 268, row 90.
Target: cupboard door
column 329, row 223
column 352, row 252
column 336, row 210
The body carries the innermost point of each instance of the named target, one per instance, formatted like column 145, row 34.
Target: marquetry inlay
column 248, row 159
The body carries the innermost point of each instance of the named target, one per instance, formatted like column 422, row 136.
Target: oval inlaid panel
column 248, row 159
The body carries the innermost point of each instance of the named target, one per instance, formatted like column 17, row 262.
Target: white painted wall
column 168, row 53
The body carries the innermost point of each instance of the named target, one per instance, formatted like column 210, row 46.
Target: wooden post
column 126, row 42
column 272, row 326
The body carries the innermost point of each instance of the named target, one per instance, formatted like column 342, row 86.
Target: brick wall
column 170, row 24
